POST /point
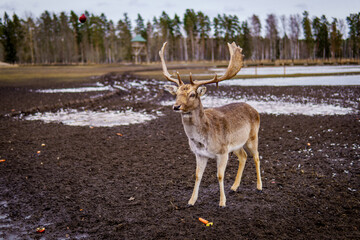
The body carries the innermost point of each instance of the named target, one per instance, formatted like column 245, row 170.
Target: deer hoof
column 232, row 192
column 259, row 191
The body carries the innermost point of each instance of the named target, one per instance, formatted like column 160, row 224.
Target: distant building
column 138, row 44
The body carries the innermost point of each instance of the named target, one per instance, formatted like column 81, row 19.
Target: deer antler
column 165, row 71
column 235, row 64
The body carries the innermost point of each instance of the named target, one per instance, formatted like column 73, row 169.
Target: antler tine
column 235, row 64
column 191, row 80
column 165, row 71
column 179, row 78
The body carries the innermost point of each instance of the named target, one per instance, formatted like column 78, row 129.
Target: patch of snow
column 292, row 70
column 75, row 90
column 276, row 107
column 74, row 117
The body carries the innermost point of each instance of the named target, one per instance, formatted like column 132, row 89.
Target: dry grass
column 30, row 75
column 44, row 75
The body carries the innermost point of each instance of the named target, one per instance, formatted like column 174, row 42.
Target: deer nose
column 176, row 108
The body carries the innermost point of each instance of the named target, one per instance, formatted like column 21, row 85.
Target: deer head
column 188, row 95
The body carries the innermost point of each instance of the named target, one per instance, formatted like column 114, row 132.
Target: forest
column 61, row 39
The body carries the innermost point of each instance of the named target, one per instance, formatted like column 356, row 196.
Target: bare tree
column 256, row 35
column 295, row 30
column 342, row 29
column 283, row 42
column 272, row 34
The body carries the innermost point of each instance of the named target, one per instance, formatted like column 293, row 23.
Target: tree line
column 62, row 39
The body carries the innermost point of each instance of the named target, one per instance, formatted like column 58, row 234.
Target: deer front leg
column 221, row 166
column 200, row 167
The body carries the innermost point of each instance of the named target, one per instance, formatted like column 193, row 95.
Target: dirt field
column 90, row 183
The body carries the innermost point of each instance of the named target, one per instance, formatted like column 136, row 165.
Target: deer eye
column 192, row 95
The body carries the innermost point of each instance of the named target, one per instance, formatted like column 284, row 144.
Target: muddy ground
column 90, row 183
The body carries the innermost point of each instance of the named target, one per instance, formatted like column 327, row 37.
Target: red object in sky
column 82, row 18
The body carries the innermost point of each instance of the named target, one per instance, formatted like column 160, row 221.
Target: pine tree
column 166, row 28
column 140, row 27
column 354, row 24
column 335, row 39
column 156, row 39
column 28, row 53
column 124, row 28
column 179, row 52
column 61, row 38
column 230, row 25
column 112, row 46
column 77, row 36
column 45, row 38
column 190, row 26
column 67, row 39
column 246, row 40
column 321, row 33
column 9, row 38
column 230, row 31
column 97, row 36
column 309, row 40
column 218, row 38
column 204, row 30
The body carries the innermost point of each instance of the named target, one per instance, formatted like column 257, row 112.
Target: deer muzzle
column 176, row 107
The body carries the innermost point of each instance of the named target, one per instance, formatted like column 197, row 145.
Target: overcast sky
column 114, row 9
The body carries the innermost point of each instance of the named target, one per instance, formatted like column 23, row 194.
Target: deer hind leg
column 252, row 146
column 200, row 168
column 221, row 166
column 241, row 154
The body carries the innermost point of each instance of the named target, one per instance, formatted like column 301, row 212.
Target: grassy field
column 44, row 75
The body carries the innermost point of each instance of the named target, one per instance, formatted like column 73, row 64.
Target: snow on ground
column 104, row 118
column 276, row 107
column 292, row 69
column 75, row 90
column 108, row 118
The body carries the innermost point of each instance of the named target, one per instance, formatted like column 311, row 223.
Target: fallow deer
column 213, row 133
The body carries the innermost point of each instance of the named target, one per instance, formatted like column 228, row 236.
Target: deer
column 214, row 133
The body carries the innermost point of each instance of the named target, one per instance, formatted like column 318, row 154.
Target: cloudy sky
column 114, row 9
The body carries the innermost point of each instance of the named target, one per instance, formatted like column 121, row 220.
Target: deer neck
column 195, row 121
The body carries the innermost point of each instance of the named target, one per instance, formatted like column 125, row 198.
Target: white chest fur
column 198, row 144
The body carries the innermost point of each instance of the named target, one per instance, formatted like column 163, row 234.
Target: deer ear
column 201, row 91
column 171, row 89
